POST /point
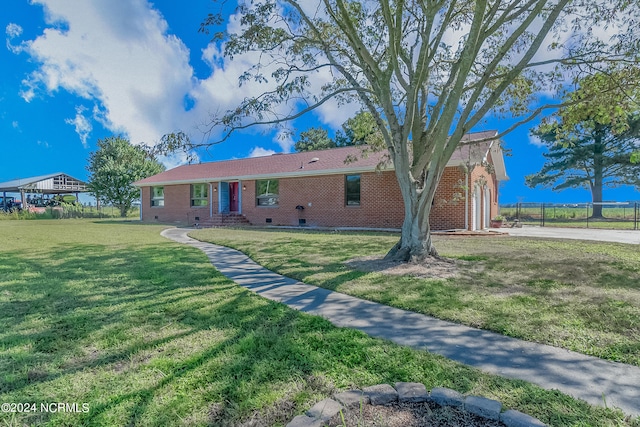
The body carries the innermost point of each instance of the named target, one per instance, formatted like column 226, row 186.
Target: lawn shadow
column 74, row 296
column 102, row 312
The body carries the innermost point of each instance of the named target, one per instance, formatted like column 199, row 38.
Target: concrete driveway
column 618, row 236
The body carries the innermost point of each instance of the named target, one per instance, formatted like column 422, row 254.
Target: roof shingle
column 320, row 162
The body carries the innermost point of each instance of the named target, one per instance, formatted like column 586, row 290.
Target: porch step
column 224, row 220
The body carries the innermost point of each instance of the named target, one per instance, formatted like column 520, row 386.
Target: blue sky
column 76, row 71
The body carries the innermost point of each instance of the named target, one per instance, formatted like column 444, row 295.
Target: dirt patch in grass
column 410, row 415
column 278, row 414
column 431, row 268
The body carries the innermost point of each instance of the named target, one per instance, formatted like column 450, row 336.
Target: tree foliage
column 358, row 130
column 594, row 157
column 591, row 144
column 114, row 166
column 314, row 139
column 427, row 71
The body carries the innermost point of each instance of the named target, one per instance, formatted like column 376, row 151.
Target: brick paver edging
column 383, row 394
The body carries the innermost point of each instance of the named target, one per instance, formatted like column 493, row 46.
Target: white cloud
column 261, row 152
column 119, row 56
column 284, row 139
column 15, row 124
column 176, row 159
column 81, row 124
column 12, row 31
column 334, row 115
column 535, row 140
column 221, row 88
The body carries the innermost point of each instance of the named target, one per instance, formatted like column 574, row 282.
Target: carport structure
column 55, row 183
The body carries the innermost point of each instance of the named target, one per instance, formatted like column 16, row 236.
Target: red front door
column 233, row 197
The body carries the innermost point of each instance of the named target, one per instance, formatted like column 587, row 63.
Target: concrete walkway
column 584, row 377
column 601, row 235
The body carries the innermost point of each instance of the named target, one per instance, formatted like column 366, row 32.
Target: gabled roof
column 312, row 163
column 478, row 152
column 54, row 183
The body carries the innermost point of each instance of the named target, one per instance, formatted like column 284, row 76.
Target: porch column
column 466, row 202
column 210, row 200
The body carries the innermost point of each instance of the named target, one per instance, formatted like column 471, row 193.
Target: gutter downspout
column 141, row 203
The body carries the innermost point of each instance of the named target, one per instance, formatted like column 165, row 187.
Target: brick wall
column 323, row 199
column 177, row 206
column 447, row 212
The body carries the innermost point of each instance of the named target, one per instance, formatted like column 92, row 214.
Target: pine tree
column 594, row 156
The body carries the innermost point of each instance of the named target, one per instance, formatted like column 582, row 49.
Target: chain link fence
column 612, row 215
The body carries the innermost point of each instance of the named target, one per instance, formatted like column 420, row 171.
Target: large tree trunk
column 596, row 195
column 415, row 241
column 598, row 172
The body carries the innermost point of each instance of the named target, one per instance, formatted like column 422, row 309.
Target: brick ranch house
column 318, row 188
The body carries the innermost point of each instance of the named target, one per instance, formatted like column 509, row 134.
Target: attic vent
column 315, row 159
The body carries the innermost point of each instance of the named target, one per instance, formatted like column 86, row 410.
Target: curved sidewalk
column 594, row 380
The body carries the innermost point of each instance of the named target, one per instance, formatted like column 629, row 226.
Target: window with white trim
column 267, row 192
column 157, row 196
column 199, row 195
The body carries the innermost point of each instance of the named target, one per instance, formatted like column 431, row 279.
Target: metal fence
column 614, row 215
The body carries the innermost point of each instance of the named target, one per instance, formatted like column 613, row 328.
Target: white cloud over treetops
column 261, row 152
column 120, row 58
column 535, row 140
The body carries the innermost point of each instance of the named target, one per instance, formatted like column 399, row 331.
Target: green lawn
column 145, row 332
column 584, row 296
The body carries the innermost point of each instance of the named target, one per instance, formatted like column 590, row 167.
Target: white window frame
column 272, row 199
column 157, row 201
column 199, row 200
